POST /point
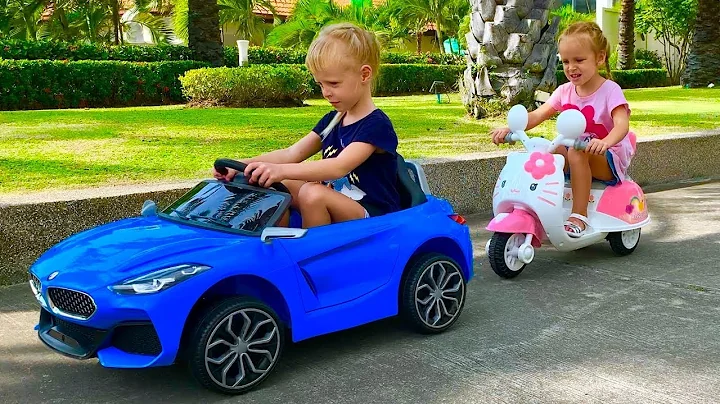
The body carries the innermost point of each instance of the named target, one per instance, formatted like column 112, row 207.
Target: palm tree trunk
column 204, row 31
column 116, row 20
column 418, row 39
column 626, row 53
column 703, row 63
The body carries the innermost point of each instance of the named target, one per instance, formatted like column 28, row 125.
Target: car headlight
column 159, row 280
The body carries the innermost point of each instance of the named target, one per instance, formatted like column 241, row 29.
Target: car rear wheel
column 236, row 345
column 433, row 293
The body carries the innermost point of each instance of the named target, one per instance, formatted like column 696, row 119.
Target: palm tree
column 517, row 42
column 310, row 16
column 242, row 12
column 20, row 19
column 703, row 64
column 418, row 13
column 626, row 51
column 204, row 31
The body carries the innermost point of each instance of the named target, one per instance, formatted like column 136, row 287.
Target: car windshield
column 232, row 207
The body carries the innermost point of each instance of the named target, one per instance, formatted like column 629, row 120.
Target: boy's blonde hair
column 344, row 43
column 598, row 41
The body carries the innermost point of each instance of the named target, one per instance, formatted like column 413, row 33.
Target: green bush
column 417, row 78
column 283, row 85
column 251, row 86
column 42, row 84
column 54, row 50
column 636, row 78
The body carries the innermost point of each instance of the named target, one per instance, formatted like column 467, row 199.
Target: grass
column 63, row 149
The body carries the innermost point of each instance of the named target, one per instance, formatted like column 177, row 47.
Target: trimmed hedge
column 637, row 78
column 252, row 86
column 43, row 84
column 54, row 50
column 414, row 79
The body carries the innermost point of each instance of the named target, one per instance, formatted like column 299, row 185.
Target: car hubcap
column 439, row 294
column 512, row 248
column 630, row 238
column 242, row 348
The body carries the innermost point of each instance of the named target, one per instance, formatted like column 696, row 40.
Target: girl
column 356, row 177
column 583, row 49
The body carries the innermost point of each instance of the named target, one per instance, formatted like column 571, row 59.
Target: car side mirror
column 149, row 208
column 281, row 232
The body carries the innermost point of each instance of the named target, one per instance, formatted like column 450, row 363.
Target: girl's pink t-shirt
column 597, row 109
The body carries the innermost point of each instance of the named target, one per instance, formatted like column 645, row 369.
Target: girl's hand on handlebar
column 597, row 146
column 498, row 135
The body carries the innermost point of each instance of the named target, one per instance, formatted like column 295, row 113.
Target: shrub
column 42, row 84
column 636, row 78
column 251, row 86
column 56, row 50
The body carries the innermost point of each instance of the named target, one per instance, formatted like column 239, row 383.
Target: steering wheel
column 221, row 166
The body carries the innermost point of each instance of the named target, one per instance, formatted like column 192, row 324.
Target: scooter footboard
column 518, row 221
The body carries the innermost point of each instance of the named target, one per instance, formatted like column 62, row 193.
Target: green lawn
column 61, row 149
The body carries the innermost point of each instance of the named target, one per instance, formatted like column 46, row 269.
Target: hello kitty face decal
column 529, row 180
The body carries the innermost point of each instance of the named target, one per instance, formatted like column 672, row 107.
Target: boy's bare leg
column 320, row 205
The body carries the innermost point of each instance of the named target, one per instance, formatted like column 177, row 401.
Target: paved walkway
column 574, row 327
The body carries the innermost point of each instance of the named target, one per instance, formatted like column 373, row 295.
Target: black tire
column 262, row 319
column 496, row 256
column 422, row 273
column 623, row 247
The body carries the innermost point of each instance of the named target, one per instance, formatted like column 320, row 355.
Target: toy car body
column 210, row 281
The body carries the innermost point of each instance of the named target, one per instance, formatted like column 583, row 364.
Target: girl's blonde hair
column 344, row 43
column 597, row 39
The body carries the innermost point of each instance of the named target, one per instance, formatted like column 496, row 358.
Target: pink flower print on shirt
column 540, row 165
column 589, row 113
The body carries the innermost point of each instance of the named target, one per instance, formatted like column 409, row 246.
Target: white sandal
column 575, row 231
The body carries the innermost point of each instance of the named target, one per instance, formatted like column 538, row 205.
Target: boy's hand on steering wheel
column 264, row 174
column 597, row 146
column 231, row 173
column 498, row 135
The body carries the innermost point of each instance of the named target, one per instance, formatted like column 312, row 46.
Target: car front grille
column 71, row 303
column 35, row 285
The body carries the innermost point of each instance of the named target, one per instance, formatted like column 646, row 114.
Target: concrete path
column 574, row 327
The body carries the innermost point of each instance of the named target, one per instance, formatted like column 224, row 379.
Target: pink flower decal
column 540, row 165
column 597, row 129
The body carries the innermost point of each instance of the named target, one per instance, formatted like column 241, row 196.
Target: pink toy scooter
column 531, row 201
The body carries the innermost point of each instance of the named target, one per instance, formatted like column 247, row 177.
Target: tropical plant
column 310, row 16
column 703, row 65
column 568, row 16
column 672, row 23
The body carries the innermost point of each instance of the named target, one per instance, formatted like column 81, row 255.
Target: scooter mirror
column 571, row 124
column 517, row 118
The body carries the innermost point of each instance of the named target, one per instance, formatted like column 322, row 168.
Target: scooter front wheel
column 502, row 253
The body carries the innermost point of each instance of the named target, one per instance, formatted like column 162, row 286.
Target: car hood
column 129, row 247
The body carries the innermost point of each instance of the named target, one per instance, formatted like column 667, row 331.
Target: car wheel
column 624, row 242
column 433, row 293
column 236, row 345
column 502, row 261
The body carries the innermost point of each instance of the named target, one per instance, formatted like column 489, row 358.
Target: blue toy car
column 210, row 282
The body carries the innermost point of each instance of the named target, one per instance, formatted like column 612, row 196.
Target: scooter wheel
column 624, row 242
column 505, row 265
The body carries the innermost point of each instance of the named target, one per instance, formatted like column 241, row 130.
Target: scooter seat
column 596, row 184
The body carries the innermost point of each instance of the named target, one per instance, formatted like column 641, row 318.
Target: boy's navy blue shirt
column 374, row 181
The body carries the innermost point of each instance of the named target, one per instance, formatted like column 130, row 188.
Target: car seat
column 412, row 184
